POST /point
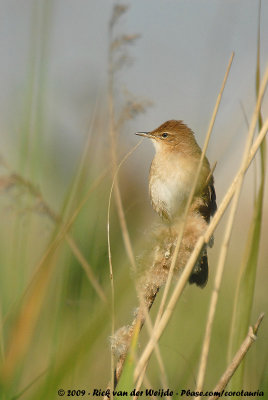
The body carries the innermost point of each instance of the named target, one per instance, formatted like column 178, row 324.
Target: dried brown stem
column 160, row 259
column 190, row 264
column 244, row 348
column 225, row 243
column 191, row 196
column 139, row 320
column 117, row 57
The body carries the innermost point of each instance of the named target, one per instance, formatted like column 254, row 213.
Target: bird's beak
column 145, row 134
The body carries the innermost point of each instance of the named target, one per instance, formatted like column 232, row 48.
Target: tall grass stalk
column 237, row 359
column 15, row 180
column 110, row 260
column 191, row 196
column 113, row 66
column 177, row 248
column 115, row 61
column 28, row 314
column 202, row 240
column 223, row 255
column 247, row 274
column 189, row 201
column 33, row 126
column 128, row 363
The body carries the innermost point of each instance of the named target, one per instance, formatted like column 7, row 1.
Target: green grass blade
column 126, row 382
column 246, row 285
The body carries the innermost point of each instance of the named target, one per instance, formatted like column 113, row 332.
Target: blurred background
column 67, row 74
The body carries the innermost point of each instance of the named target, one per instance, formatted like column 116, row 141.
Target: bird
column 172, row 173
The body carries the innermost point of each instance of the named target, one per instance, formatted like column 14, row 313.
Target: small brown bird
column 171, row 178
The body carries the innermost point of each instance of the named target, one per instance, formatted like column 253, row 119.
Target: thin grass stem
column 190, row 264
column 225, row 245
column 190, row 198
column 148, row 322
column 110, row 257
column 238, row 358
column 34, row 295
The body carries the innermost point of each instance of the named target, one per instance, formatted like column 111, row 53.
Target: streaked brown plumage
column 172, row 174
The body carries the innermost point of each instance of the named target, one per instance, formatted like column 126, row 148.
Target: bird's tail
column 199, row 275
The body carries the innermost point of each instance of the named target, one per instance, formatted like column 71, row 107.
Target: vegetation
column 68, row 294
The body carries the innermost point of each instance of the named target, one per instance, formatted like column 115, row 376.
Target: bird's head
column 173, row 136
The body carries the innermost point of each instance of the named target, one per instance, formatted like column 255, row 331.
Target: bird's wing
column 206, row 206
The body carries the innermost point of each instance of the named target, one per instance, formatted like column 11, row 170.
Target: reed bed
column 95, row 295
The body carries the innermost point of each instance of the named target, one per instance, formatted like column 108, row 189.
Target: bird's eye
column 165, row 134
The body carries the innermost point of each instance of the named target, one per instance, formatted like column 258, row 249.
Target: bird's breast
column 170, row 185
